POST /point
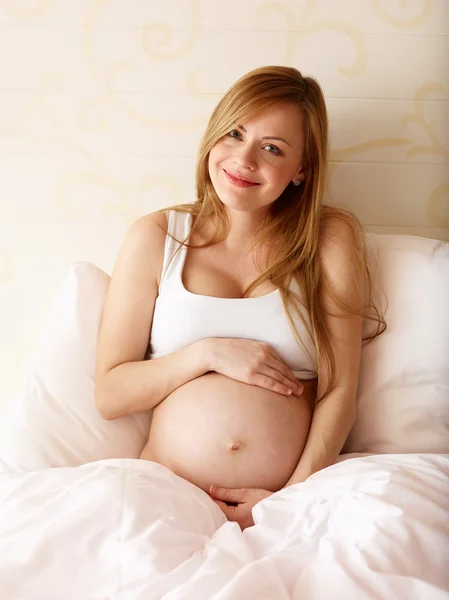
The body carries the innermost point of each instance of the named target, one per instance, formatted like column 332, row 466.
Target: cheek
column 280, row 175
column 214, row 165
column 217, row 154
column 214, row 158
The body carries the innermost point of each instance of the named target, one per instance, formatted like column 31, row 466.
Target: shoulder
column 155, row 223
column 340, row 248
column 143, row 246
column 340, row 235
column 147, row 232
column 338, row 228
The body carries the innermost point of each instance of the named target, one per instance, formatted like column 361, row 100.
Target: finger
column 281, row 365
column 229, row 511
column 286, row 375
column 284, row 367
column 268, row 383
column 228, row 494
column 295, row 386
column 278, row 364
column 243, row 517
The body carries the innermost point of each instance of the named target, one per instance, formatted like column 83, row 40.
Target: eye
column 274, row 149
column 231, row 134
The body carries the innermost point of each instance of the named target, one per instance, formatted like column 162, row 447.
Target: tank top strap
column 179, row 224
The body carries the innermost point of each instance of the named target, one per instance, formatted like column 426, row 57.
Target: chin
column 234, row 202
column 244, row 206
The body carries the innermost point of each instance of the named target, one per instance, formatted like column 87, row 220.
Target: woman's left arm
column 334, row 415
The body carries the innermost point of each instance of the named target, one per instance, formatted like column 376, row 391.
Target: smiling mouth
column 238, row 181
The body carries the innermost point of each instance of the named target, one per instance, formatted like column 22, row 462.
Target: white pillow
column 403, row 395
column 55, row 422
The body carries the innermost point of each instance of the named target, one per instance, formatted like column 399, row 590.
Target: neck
column 243, row 229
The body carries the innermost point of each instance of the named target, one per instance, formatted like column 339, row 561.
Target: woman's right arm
column 125, row 383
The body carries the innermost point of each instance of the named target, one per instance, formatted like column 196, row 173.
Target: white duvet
column 372, row 527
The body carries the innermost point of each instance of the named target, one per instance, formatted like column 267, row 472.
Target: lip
column 238, row 180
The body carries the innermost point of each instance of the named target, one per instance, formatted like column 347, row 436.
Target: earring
column 297, row 182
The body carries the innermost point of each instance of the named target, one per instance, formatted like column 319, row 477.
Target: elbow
column 103, row 401
column 105, row 412
column 104, row 409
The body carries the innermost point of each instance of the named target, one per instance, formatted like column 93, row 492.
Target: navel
column 235, row 445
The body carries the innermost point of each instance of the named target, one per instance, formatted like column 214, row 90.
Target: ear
column 299, row 175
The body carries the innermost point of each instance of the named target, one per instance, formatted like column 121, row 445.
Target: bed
column 81, row 517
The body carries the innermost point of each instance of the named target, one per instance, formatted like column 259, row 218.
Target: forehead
column 281, row 117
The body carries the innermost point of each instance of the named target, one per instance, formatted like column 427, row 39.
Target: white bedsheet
column 372, row 527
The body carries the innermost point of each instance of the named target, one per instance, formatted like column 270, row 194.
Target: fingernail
column 289, row 392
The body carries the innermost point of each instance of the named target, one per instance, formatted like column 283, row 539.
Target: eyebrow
column 269, row 137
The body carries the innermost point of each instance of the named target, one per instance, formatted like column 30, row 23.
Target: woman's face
column 252, row 164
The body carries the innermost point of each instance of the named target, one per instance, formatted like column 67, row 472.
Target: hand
column 252, row 362
column 244, row 498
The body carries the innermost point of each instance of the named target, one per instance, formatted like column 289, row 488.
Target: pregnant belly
column 215, row 430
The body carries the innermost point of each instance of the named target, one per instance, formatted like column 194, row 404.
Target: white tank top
column 182, row 318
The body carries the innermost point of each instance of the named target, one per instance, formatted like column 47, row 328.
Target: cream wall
column 103, row 103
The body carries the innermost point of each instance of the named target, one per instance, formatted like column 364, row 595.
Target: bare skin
column 215, row 429
column 236, row 427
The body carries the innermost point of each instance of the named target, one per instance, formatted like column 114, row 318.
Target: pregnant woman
column 237, row 319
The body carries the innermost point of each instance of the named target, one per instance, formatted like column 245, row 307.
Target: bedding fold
column 370, row 527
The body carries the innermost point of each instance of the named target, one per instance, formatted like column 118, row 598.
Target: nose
column 245, row 156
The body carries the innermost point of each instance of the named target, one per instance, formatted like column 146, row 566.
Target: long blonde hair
column 295, row 219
